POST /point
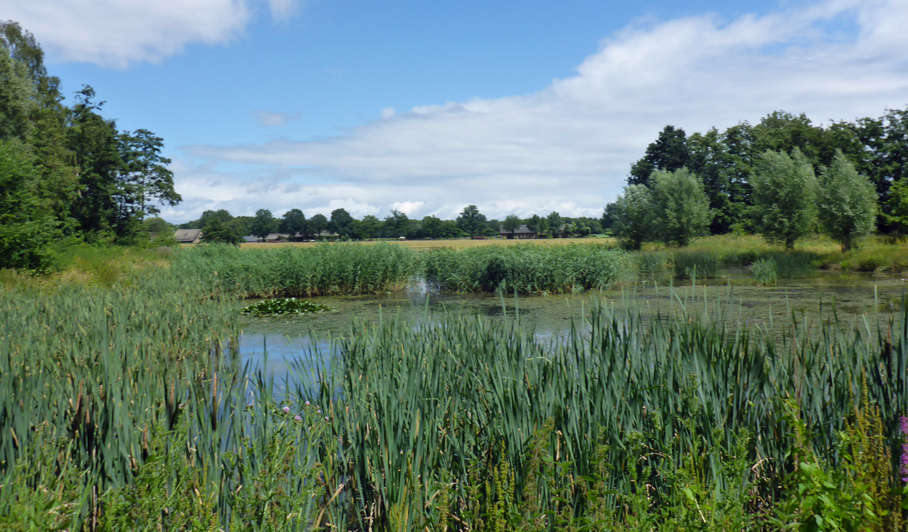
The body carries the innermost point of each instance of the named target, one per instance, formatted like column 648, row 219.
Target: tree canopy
column 784, row 195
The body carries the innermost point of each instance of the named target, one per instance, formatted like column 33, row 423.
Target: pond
column 855, row 299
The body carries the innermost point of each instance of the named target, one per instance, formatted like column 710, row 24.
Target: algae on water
column 284, row 305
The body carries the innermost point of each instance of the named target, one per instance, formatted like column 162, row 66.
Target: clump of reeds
column 526, row 268
column 329, row 269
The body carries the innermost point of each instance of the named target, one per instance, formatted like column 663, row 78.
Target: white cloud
column 388, row 112
column 119, row 33
column 269, row 118
column 569, row 146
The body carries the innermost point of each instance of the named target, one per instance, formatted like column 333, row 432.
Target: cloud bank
column 118, row 33
column 568, row 147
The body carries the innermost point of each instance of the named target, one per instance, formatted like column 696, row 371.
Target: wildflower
column 318, row 411
column 903, row 469
column 326, row 418
column 286, row 409
column 297, row 418
column 307, row 403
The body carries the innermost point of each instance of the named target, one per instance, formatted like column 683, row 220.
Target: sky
column 518, row 107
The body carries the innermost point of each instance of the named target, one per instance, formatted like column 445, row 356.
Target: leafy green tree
column 318, row 223
column 784, row 195
column 897, row 216
column 218, row 231
column 146, row 179
column 17, row 98
column 847, row 202
column 431, row 226
column 396, row 225
column 631, row 216
column 680, row 206
column 341, row 223
column 157, row 227
column 370, row 226
column 555, row 223
column 26, row 227
column 668, row 153
column 471, row 221
column 94, row 143
column 263, row 224
column 511, row 223
column 294, row 223
column 533, row 223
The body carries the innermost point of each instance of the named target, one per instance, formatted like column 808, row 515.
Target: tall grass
column 328, row 269
column 526, row 268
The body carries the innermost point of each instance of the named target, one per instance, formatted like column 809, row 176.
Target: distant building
column 522, row 232
column 188, row 236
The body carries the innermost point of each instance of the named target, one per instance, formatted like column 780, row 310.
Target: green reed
column 329, row 269
column 463, row 423
column 125, row 407
column 525, row 268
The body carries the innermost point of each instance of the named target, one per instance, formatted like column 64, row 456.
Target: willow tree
column 784, row 196
column 680, row 205
column 847, row 202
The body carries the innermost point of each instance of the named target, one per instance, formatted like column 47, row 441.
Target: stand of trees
column 762, row 179
column 67, row 172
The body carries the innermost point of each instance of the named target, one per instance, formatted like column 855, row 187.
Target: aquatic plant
column 284, row 305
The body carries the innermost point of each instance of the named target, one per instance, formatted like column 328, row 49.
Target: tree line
column 782, row 178
column 221, row 226
column 66, row 172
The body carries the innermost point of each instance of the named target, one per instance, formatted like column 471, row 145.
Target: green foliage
column 330, row 269
column 262, row 225
column 220, row 231
column 691, row 264
column 784, row 195
column 847, row 202
column 668, row 153
column 525, row 268
column 471, row 221
column 680, row 206
column 287, row 305
column 511, row 223
column 632, row 216
column 27, row 227
column 765, row 271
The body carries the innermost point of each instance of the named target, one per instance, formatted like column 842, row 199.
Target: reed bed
column 327, row 269
column 671, row 424
column 124, row 407
column 526, row 268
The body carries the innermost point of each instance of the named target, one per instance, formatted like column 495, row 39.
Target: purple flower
column 307, row 403
column 326, row 419
column 903, row 469
column 318, row 411
column 297, row 418
column 286, row 409
column 903, row 424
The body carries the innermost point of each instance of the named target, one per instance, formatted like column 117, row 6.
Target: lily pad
column 285, row 305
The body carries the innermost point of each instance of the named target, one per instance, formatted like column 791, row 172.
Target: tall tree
column 294, row 223
column 263, row 224
column 93, row 141
column 431, row 226
column 317, row 224
column 555, row 223
column 681, row 207
column 847, row 202
column 396, row 224
column 471, row 220
column 511, row 223
column 709, row 161
column 26, row 226
column 146, row 180
column 631, row 216
column 668, row 153
column 370, row 226
column 784, row 193
column 341, row 223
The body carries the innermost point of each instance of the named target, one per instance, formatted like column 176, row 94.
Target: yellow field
column 424, row 245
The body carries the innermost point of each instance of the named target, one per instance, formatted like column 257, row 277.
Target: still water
column 857, row 300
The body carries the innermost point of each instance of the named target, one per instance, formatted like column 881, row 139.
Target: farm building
column 521, row 232
column 188, row 236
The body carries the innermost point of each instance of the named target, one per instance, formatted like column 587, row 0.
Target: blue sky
column 425, row 107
